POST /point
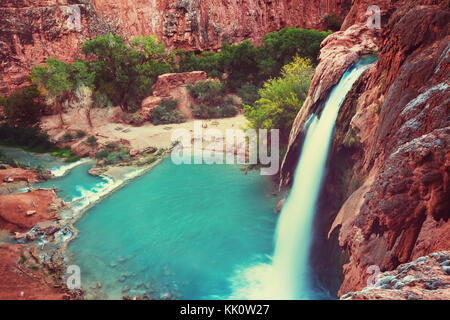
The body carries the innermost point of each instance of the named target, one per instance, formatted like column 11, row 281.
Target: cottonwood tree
column 24, row 105
column 59, row 81
column 126, row 72
column 281, row 98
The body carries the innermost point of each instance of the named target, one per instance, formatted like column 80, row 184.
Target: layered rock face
column 35, row 30
column 32, row 31
column 20, row 279
column 173, row 86
column 205, row 24
column 395, row 128
column 426, row 278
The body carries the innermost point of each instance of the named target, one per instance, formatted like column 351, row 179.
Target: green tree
column 125, row 73
column 281, row 46
column 281, row 98
column 240, row 62
column 58, row 81
column 24, row 105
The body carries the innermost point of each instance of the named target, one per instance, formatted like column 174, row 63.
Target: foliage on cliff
column 61, row 83
column 281, row 98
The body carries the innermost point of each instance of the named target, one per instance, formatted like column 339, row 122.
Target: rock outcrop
column 426, row 278
column 173, row 86
column 395, row 129
column 200, row 25
column 10, row 175
column 19, row 212
column 21, row 279
column 35, row 30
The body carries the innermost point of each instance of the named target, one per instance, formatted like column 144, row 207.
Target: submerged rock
column 165, row 296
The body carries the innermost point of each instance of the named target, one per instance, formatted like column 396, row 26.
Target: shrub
column 166, row 113
column 24, row 105
column 28, row 138
column 112, row 158
column 80, row 134
column 281, row 99
column 67, row 137
column 63, row 153
column 91, row 140
column 249, row 93
column 228, row 111
column 123, row 154
column 112, row 146
column 332, row 21
column 211, row 102
column 207, row 92
column 72, row 159
column 102, row 154
column 243, row 63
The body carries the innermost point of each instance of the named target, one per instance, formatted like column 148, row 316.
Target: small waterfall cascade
column 290, row 272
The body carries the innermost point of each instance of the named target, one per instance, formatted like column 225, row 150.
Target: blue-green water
column 184, row 230
column 74, row 183
column 188, row 230
column 31, row 159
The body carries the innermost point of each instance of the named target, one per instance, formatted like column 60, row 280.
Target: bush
column 91, row 140
column 111, row 156
column 102, row 154
column 72, row 159
column 281, row 99
column 28, row 138
column 67, row 137
column 207, row 92
column 166, row 113
column 228, row 111
column 211, row 102
column 243, row 63
column 24, row 105
column 63, row 153
column 332, row 21
column 249, row 93
column 80, row 134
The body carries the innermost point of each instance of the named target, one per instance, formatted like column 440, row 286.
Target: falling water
column 290, row 268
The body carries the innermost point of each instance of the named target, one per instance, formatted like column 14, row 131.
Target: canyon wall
column 388, row 185
column 34, row 30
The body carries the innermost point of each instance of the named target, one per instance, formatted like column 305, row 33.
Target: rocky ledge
column 22, row 276
column 426, row 278
column 392, row 201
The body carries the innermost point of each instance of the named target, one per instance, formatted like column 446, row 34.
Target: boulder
column 280, row 205
column 169, row 81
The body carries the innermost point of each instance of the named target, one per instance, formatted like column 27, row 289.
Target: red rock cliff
column 34, row 30
column 398, row 116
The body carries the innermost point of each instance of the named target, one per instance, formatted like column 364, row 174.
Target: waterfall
column 287, row 276
column 290, row 268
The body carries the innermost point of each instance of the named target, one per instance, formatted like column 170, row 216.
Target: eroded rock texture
column 34, row 30
column 396, row 132
column 427, row 278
